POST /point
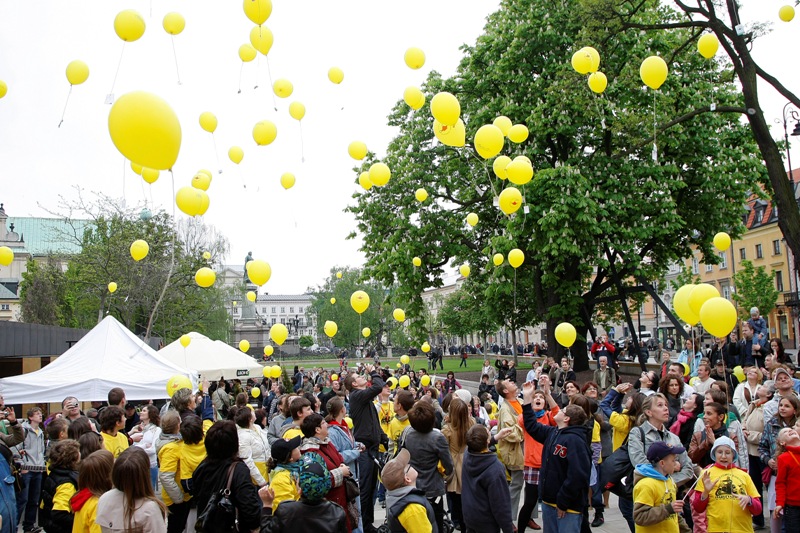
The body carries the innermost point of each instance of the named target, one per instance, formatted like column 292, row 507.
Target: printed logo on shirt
column 560, row 450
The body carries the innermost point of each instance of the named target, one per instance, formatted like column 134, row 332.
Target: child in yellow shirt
column 283, row 468
column 94, row 480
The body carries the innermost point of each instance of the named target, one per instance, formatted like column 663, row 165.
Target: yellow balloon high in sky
column 247, row 53
column 129, row 25
column 414, row 58
column 236, row 154
column 139, row 249
column 145, row 130
column 414, row 97
column 264, row 132
column 336, row 75
column 357, row 150
column 208, row 121
column 297, row 110
column 174, row 23
column 77, row 72
column 257, row 10
column 258, row 271
column 283, row 88
column 287, row 180
column 261, row 38
column 359, row 301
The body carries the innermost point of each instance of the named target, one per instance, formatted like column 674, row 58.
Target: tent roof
column 211, row 359
column 108, row 356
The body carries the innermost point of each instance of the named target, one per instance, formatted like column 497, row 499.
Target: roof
column 6, row 294
column 43, row 236
column 267, row 298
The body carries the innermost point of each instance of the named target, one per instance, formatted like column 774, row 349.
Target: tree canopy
column 754, row 288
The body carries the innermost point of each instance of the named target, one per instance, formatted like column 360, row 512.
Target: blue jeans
column 28, row 498
column 154, row 478
column 551, row 523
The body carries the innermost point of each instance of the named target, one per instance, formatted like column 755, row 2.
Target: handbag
column 351, row 488
column 766, row 475
column 220, row 512
column 618, row 467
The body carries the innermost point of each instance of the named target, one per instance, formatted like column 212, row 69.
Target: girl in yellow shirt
column 93, row 481
column 283, row 468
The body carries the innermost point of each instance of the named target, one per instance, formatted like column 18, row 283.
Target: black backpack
column 58, row 521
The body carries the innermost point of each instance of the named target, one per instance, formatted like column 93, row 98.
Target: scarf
column 683, row 417
column 294, row 468
column 539, row 414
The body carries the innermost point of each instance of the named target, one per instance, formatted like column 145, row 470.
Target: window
column 299, row 309
column 235, row 310
column 709, row 268
column 779, row 280
column 291, row 309
column 264, row 310
column 742, row 254
column 273, row 321
column 283, row 309
column 695, row 266
column 726, row 292
column 723, row 260
column 5, row 307
column 302, row 322
column 759, row 215
column 273, row 310
column 759, row 252
column 776, row 247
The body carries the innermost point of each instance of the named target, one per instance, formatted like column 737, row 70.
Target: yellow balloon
column 392, row 381
column 129, row 25
column 112, row 287
column 275, row 372
column 333, row 301
column 399, row 315
column 77, row 72
column 414, row 58
column 201, row 181
column 150, row 175
column 693, row 381
column 518, row 133
column 654, row 72
column 700, row 295
column 379, row 174
column 192, row 201
column 297, row 110
column 510, row 200
column 425, row 380
column 722, row 241
column 336, row 75
column 472, row 219
column 357, row 150
column 278, row 333
column 738, row 371
column 565, row 334
column 261, row 38
column 366, row 332
column 364, row 181
column 283, row 88
column 516, row 257
column 186, row 340
column 359, row 301
column 489, row 141
column 3, row 88
column 786, row 13
column 464, row 270
column 259, row 272
column 594, row 58
column 404, row 382
column 598, row 82
column 416, row 261
column 330, row 328
column 524, row 158
column 205, row 277
column 178, row 382
column 287, row 180
column 718, row 316
column 499, row 166
column 334, row 377
column 174, row 23
column 707, row 45
column 137, row 168
column 236, row 154
column 145, row 130
column 251, row 296
column 519, row 172
column 339, row 275
column 680, row 303
column 504, row 123
column 450, row 135
column 206, row 255
column 255, row 392
column 257, row 10
column 268, row 350
column 404, row 359
column 581, row 61
column 498, row 259
column 264, row 132
column 139, row 249
column 208, row 121
column 421, row 195
column 414, row 97
column 244, row 345
column 426, row 347
column 445, row 108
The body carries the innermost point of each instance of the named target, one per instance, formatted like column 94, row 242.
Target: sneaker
column 598, row 520
column 32, row 529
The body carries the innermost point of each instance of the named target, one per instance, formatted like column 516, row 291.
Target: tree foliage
column 44, row 293
column 603, row 207
column 754, row 288
column 462, row 315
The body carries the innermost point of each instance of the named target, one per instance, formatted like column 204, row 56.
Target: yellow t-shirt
column 115, row 444
column 396, row 427
column 291, row 433
column 723, row 511
column 415, row 518
column 622, row 426
column 284, row 487
column 191, row 456
column 84, row 519
column 385, row 416
column 169, row 460
column 655, row 493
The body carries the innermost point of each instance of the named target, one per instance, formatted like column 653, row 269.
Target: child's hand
column 744, row 501
column 503, row 433
column 778, row 510
column 267, row 496
column 677, row 506
column 527, row 392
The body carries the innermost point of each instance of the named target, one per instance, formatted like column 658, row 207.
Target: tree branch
column 667, row 26
column 789, row 95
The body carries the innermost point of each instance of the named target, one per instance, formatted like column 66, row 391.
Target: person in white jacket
column 145, row 435
column 254, row 448
column 745, row 392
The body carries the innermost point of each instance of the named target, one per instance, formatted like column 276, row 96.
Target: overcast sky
column 300, row 232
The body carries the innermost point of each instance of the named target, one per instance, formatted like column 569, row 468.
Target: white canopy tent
column 108, row 356
column 212, row 359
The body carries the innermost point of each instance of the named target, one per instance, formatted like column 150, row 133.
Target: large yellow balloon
column 718, row 316
column 112, row 287
column 178, row 382
column 680, row 303
column 244, row 345
column 359, row 301
column 192, row 201
column 259, row 272
column 205, row 277
column 366, row 332
column 129, row 25
column 139, row 249
column 464, row 270
column 145, row 130
column 186, row 340
column 201, row 180
column 516, row 257
column 297, row 110
column 251, row 296
column 597, row 82
column 421, row 194
column 208, row 121
column 236, row 154
column 722, row 241
column 504, row 123
column 498, row 259
column 264, row 132
column 247, row 53
column 499, row 166
column 414, row 58
column 3, row 88
column 708, row 45
column 566, row 334
column 399, row 315
column 519, row 172
column 379, row 174
column 330, row 328
column 174, row 23
column 268, row 350
column 454, row 136
column 445, row 108
column 77, row 72
column 364, row 181
column 261, row 38
column 275, row 373
column 510, row 200
column 472, row 219
column 283, row 88
column 257, row 10
column 654, row 72
column 425, row 380
column 489, row 141
column 336, row 75
column 287, row 180
column 278, row 333
column 518, row 133
column 357, row 150
column 414, row 97
column 150, row 175
column 700, row 295
column 581, row 61
column 786, row 13
column 404, row 382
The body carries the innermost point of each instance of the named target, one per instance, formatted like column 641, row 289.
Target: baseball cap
column 394, row 472
column 314, row 478
column 781, row 370
column 659, row 449
column 282, row 449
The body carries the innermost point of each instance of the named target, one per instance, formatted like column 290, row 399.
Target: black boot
column 598, row 518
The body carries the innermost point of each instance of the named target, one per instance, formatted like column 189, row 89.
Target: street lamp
column 790, row 112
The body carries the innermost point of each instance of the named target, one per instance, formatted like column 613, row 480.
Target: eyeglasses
column 408, row 467
column 591, row 388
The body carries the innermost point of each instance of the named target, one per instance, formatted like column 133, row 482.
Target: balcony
column 791, row 299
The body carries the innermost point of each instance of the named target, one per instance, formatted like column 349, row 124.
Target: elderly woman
column 253, row 445
column 753, row 428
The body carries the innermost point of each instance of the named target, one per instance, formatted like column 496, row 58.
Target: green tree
column 305, row 341
column 754, row 288
column 463, row 314
column 625, row 183
column 43, row 293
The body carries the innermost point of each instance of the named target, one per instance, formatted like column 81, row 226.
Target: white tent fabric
column 108, row 356
column 212, row 359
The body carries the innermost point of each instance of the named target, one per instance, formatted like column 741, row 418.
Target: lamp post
column 791, row 113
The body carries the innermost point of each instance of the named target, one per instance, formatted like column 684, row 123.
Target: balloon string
column 123, row 181
column 302, row 149
column 258, row 69
column 171, row 262
column 216, row 153
column 241, row 177
column 114, row 83
column 269, row 73
column 655, row 144
column 240, row 78
column 64, row 112
column 175, row 55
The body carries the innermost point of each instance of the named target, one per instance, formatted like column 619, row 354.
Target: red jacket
column 787, row 484
column 533, row 448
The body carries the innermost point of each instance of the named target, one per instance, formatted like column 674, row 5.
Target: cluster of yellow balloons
column 518, row 171
column 702, row 303
column 587, row 61
column 259, row 272
column 139, row 249
column 6, row 256
column 272, row 371
column 566, row 334
column 205, row 277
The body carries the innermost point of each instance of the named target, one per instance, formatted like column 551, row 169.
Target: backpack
column 56, row 521
column 618, row 467
column 393, row 513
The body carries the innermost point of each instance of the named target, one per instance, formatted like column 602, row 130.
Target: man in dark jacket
column 566, row 464
column 485, row 499
column 366, row 430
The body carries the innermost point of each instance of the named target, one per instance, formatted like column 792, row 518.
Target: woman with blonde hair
column 455, row 431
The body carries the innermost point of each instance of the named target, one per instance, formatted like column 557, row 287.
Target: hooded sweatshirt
column 168, row 448
column 653, row 494
column 485, row 499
